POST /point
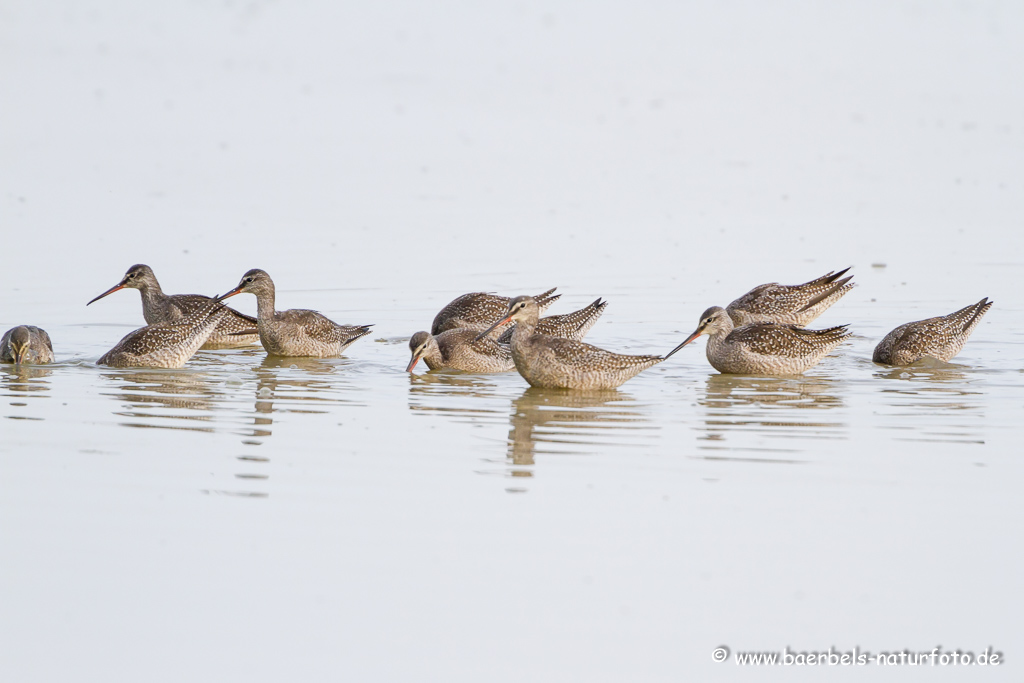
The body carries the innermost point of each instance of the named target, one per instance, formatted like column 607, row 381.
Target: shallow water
column 349, row 500
column 297, row 519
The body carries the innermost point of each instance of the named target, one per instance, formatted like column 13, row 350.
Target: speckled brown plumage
column 573, row 325
column 460, row 350
column 790, row 304
column 763, row 348
column 478, row 310
column 167, row 344
column 556, row 363
column 941, row 337
column 26, row 344
column 234, row 330
column 296, row 332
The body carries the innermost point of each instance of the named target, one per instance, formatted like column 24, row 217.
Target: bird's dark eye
column 707, row 321
column 131, row 275
column 248, row 279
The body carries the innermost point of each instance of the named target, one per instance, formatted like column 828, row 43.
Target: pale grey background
column 379, row 159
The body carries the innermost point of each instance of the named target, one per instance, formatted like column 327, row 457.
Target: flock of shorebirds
column 761, row 333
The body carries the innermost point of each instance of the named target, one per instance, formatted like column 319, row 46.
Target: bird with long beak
column 296, row 332
column 461, row 350
column 234, row 330
column 26, row 344
column 762, row 348
column 555, row 363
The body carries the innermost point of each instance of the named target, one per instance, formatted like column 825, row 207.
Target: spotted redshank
column 477, row 310
column 26, row 344
column 296, row 332
column 167, row 344
column 764, row 348
column 556, row 363
column 941, row 337
column 790, row 304
column 234, row 330
column 459, row 348
column 573, row 325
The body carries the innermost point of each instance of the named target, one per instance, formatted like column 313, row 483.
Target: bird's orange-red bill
column 109, row 291
column 234, row 291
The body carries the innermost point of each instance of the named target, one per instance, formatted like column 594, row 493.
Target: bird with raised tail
column 573, row 325
column 763, row 348
column 296, row 332
column 459, row 349
column 790, row 304
column 167, row 344
column 477, row 310
column 555, row 363
column 26, row 344
column 233, row 331
column 941, row 337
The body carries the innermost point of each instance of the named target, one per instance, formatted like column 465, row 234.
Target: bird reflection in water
column 288, row 386
column 22, row 382
column 300, row 385
column 467, row 397
column 24, row 379
column 155, row 398
column 185, row 399
column 749, row 413
column 546, row 421
column 274, row 381
column 932, row 402
column 927, row 370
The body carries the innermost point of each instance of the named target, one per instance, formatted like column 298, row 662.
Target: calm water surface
column 256, row 519
column 351, row 498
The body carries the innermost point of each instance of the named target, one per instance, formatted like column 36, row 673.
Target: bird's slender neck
column 265, row 302
column 525, row 327
column 153, row 298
